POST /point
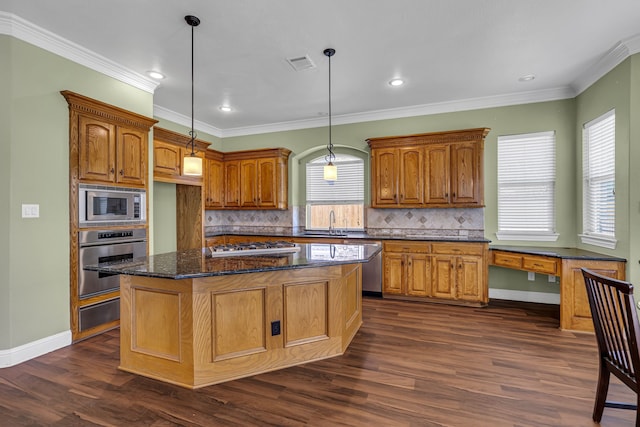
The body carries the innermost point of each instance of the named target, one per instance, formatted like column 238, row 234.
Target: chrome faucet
column 332, row 221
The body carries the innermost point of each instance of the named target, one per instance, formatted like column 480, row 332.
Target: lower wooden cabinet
column 453, row 272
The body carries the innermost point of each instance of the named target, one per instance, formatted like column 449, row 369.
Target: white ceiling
column 453, row 54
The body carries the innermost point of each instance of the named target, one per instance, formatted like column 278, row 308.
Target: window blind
column 526, row 186
column 598, row 172
column 349, row 188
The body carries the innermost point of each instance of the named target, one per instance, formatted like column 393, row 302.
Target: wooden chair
column 616, row 326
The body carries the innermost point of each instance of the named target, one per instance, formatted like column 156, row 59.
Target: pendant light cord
column 193, row 22
column 329, row 53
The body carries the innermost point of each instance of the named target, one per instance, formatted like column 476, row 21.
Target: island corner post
column 200, row 331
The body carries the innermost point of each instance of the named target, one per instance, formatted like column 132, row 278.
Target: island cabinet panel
column 221, row 328
column 430, row 170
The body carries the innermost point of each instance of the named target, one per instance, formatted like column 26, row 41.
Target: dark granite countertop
column 563, row 253
column 355, row 235
column 198, row 262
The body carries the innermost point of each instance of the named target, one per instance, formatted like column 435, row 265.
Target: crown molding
column 607, row 62
column 412, row 111
column 26, row 31
column 183, row 120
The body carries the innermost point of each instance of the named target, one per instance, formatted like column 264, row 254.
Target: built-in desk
column 567, row 264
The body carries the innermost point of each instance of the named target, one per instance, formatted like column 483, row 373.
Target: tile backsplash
column 465, row 222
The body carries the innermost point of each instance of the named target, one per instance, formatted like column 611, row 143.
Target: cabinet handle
column 454, row 194
column 121, row 172
column 112, row 171
column 395, row 198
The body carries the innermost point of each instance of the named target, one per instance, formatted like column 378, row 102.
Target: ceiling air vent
column 301, row 63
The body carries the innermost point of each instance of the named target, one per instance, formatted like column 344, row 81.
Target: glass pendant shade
column 192, row 166
column 330, row 172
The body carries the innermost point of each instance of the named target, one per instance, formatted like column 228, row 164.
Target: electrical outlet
column 552, row 278
column 531, row 276
column 275, row 328
column 30, row 211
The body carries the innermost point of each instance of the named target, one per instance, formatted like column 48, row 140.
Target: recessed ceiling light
column 396, row 82
column 527, row 78
column 155, row 75
column 225, row 108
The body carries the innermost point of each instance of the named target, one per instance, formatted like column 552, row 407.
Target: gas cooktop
column 253, row 248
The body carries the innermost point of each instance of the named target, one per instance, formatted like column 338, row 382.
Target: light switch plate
column 30, row 211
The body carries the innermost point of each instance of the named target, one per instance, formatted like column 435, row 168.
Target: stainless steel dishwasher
column 372, row 275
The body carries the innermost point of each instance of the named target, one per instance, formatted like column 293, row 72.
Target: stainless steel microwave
column 101, row 205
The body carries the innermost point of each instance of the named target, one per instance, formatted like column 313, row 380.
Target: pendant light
column 330, row 170
column 192, row 165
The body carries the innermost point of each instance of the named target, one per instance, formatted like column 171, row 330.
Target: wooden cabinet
column 107, row 146
column 232, row 183
column 443, row 169
column 455, row 272
column 400, row 176
column 213, row 182
column 257, row 179
column 575, row 313
column 406, row 269
column 169, row 148
column 110, row 153
column 460, row 271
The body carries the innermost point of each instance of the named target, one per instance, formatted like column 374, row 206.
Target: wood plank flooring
column 410, row 364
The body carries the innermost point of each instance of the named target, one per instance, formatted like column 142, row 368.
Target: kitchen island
column 194, row 318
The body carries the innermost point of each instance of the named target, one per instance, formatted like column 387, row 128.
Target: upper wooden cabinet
column 169, row 148
column 108, row 144
column 441, row 169
column 257, row 179
column 213, row 181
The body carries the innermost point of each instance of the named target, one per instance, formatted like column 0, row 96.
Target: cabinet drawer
column 411, row 247
column 457, row 248
column 507, row 259
column 540, row 264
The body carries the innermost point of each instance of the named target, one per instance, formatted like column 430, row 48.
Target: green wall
column 34, row 282
column 5, row 187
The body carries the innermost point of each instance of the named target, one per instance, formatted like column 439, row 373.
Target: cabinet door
column 393, row 273
column 232, row 183
column 214, row 184
column 248, row 183
column 469, row 278
column 437, row 170
column 131, row 156
column 385, row 176
column 465, row 174
column 443, row 277
column 418, row 275
column 97, row 150
column 411, row 185
column 166, row 159
column 267, row 183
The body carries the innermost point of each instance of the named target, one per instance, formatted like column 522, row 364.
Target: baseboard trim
column 525, row 296
column 31, row 350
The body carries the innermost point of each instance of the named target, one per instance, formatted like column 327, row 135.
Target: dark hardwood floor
column 410, row 364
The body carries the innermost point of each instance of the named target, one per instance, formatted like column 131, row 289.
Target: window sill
column 551, row 237
column 602, row 241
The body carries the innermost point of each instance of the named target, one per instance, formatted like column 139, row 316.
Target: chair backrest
column 615, row 321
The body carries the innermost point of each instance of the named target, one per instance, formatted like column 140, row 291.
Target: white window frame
column 598, row 166
column 347, row 183
column 526, row 187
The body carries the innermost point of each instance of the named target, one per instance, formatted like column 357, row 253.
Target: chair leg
column 638, row 410
column 601, row 392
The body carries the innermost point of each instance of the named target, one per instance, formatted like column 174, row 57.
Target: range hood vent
column 301, row 63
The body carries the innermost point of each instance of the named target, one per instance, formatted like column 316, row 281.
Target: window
column 345, row 197
column 598, row 181
column 526, row 187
